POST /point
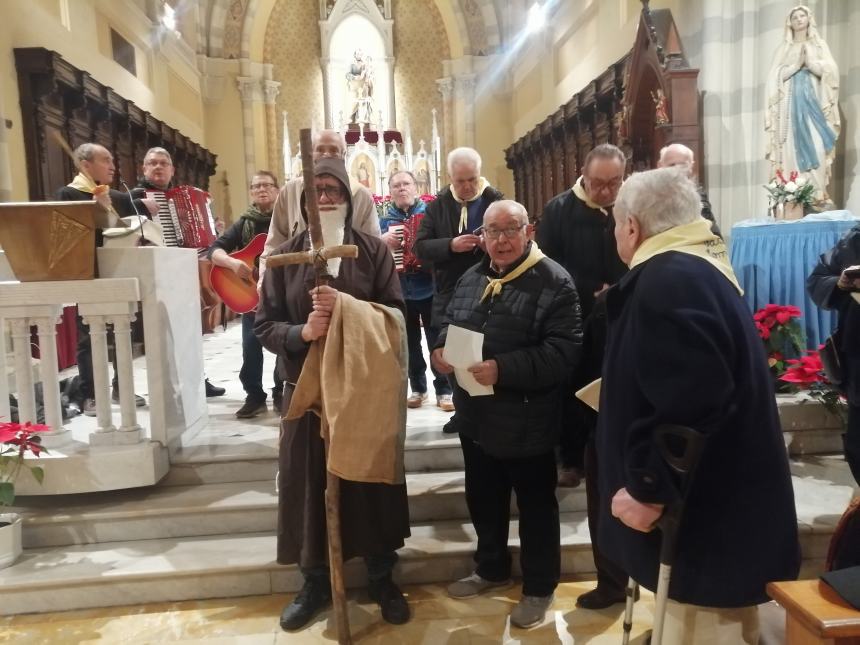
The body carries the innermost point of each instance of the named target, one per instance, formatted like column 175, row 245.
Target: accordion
column 405, row 260
column 185, row 217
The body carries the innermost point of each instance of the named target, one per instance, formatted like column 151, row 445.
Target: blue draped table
column 773, row 259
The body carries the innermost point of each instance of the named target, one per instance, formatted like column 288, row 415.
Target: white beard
column 333, row 223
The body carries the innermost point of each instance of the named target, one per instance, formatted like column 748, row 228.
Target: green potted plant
column 16, row 440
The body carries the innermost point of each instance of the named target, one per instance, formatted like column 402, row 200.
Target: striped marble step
column 162, row 512
column 121, row 573
column 162, row 570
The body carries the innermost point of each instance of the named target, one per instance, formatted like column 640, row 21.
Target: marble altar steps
column 227, row 508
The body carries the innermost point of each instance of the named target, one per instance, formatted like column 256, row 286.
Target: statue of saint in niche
column 802, row 118
column 359, row 79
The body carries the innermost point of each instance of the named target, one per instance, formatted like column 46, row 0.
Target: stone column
column 101, row 385
column 465, row 88
column 5, row 164
column 47, row 330
column 249, row 89
column 129, row 429
column 20, row 328
column 446, row 89
column 270, row 92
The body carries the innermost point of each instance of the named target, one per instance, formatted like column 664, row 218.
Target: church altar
column 772, row 260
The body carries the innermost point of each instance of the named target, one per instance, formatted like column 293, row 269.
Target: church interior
column 159, row 523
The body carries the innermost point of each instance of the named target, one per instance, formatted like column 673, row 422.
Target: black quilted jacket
column 533, row 330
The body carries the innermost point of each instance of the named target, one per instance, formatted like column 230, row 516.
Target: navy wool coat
column 682, row 349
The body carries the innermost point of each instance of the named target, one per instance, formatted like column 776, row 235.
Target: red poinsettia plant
column 16, row 440
column 381, row 202
column 781, row 334
column 806, row 374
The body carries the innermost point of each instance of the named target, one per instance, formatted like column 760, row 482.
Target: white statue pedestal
column 170, row 296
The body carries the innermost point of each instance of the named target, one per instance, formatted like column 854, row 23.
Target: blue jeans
column 418, row 316
column 251, row 374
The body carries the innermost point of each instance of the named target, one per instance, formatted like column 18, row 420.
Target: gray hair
column 86, row 152
column 464, row 156
column 604, row 151
column 402, row 172
column 158, row 151
column 316, row 134
column 512, row 208
column 676, row 147
column 659, row 200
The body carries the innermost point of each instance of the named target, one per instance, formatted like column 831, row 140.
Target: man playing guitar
column 255, row 220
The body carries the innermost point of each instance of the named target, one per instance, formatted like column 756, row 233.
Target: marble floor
column 436, row 619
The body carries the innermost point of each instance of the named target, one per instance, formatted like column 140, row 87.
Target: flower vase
column 792, row 210
column 11, row 545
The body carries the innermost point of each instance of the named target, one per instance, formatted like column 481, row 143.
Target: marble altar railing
column 101, row 303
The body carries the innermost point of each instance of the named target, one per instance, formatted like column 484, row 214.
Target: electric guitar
column 237, row 293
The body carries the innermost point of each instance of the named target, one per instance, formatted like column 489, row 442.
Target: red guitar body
column 238, row 294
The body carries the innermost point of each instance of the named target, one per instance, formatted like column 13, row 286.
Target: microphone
column 142, row 241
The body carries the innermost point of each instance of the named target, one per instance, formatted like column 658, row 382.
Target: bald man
column 679, row 155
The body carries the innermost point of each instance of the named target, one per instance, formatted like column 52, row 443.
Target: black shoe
column 314, row 596
column 450, row 427
column 390, row 599
column 277, row 399
column 601, row 598
column 213, row 390
column 251, row 408
column 139, row 401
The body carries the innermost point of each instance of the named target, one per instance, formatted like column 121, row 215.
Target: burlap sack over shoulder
column 362, row 383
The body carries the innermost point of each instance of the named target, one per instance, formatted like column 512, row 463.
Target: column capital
column 271, row 89
column 249, row 89
column 446, row 86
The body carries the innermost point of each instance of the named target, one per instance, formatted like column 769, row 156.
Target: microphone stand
column 142, row 241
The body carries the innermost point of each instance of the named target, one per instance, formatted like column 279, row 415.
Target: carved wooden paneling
column 55, row 96
column 616, row 107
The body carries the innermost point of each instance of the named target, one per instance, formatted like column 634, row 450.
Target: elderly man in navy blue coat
column 682, row 349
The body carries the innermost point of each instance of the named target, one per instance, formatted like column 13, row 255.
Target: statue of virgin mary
column 802, row 120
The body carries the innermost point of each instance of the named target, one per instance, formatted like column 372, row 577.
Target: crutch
column 681, row 447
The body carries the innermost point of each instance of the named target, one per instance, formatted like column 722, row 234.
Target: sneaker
column 569, row 477
column 416, row 399
column 213, row 390
column 90, row 407
column 445, row 402
column 251, row 408
column 139, row 401
column 473, row 585
column 314, row 596
column 390, row 599
column 530, row 611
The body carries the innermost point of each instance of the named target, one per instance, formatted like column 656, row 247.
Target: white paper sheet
column 464, row 348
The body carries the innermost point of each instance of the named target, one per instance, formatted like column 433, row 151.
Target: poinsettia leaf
column 38, row 473
column 7, row 493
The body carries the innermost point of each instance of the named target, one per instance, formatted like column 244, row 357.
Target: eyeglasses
column 259, row 186
column 157, row 162
column 333, row 193
column 612, row 184
column 496, row 233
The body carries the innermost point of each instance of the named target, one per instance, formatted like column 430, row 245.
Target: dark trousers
column 489, row 482
column 574, row 433
column 417, row 316
column 84, row 354
column 251, row 374
column 610, row 576
column 378, row 567
column 852, row 441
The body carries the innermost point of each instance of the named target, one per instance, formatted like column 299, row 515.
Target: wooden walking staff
column 318, row 255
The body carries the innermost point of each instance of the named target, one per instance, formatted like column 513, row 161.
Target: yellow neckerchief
column 694, row 238
column 483, row 184
column 83, row 183
column 579, row 191
column 495, row 287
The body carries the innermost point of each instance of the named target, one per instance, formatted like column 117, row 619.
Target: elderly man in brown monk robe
column 293, row 313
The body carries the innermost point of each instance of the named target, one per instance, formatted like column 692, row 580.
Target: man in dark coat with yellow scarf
column 293, row 312
column 682, row 350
